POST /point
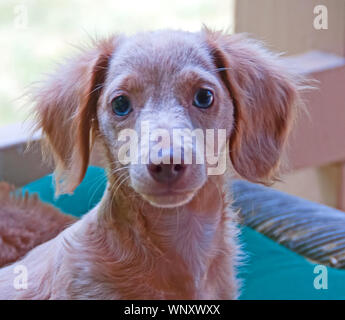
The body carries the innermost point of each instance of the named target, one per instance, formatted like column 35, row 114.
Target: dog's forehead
column 161, row 52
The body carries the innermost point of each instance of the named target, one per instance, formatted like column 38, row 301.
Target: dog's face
column 166, row 82
column 169, row 80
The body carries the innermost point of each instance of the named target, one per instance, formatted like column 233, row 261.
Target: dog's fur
column 145, row 240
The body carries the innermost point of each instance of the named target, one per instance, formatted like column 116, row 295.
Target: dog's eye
column 203, row 98
column 121, row 105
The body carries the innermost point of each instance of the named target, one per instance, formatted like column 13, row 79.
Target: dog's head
column 167, row 82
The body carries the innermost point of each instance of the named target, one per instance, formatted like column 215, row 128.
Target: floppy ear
column 66, row 111
column 265, row 97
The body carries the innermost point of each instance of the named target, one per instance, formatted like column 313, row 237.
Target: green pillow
column 269, row 270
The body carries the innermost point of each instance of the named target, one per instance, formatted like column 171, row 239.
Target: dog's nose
column 166, row 173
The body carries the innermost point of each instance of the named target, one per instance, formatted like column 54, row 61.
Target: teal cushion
column 85, row 197
column 270, row 271
column 274, row 272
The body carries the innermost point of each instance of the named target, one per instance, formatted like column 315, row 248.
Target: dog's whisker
column 121, row 183
column 119, row 169
column 99, row 183
column 113, row 196
column 126, row 177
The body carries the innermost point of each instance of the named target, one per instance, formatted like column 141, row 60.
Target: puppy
column 163, row 230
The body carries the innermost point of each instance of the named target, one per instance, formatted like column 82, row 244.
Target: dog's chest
column 194, row 245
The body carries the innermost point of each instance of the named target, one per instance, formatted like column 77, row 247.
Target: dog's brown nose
column 166, row 173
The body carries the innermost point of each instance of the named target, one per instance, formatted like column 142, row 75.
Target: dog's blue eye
column 121, row 105
column 203, row 98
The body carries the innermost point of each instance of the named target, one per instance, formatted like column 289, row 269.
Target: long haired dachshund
column 163, row 230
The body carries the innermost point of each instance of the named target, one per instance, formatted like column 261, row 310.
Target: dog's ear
column 66, row 112
column 265, row 98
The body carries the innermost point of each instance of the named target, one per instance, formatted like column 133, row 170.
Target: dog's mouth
column 169, row 200
column 162, row 189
